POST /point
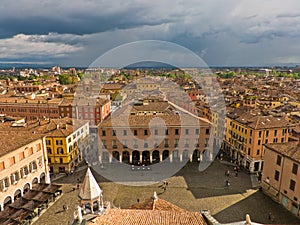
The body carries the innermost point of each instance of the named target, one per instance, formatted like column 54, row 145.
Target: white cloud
column 36, row 46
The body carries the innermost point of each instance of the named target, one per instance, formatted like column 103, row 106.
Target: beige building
column 280, row 178
column 246, row 133
column 23, row 162
column 154, row 130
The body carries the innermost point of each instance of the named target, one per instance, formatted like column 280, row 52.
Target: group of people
column 227, row 174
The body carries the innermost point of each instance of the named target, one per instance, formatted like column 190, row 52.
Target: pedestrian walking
column 227, row 183
column 65, row 207
column 236, row 173
column 227, row 173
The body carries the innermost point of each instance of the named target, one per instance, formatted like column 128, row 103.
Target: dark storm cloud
column 77, row 31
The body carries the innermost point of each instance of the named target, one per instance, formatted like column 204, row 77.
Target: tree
column 65, row 79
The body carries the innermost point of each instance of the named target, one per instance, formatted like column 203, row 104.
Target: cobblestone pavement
column 189, row 189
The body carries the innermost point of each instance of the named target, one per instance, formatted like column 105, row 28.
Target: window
column 59, row 142
column 4, row 183
column 114, row 143
column 60, row 150
column 145, row 132
column 176, row 141
column 267, row 133
column 292, row 185
column 166, row 143
column 275, row 140
column 249, row 151
column 103, row 144
column 32, row 166
column 14, row 177
column 103, row 133
column 250, row 140
column 282, row 139
column 197, row 131
column 145, row 144
column 276, row 175
column 24, row 171
column 206, row 142
column 257, row 152
column 295, row 168
column 278, row 162
column 186, row 131
column 167, row 132
column 186, row 142
column 207, row 131
column 61, row 160
column 12, row 161
column 69, row 140
column 266, row 141
column 275, row 133
column 49, row 150
column 135, row 132
column 124, row 132
column 48, row 142
column 259, row 134
column 250, row 132
column 176, row 131
column 38, row 147
column 30, row 151
column 22, row 155
column 258, row 142
column 2, row 166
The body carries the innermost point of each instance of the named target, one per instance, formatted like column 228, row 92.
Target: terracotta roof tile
column 148, row 217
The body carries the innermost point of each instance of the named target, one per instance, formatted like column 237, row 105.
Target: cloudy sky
column 222, row 32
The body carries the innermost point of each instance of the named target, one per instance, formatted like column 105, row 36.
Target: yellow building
column 66, row 139
column 246, row 133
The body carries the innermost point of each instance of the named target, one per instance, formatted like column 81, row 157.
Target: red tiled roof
column 148, row 217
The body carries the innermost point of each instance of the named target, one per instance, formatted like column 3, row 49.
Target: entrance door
column 285, row 201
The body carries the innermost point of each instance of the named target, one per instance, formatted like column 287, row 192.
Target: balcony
column 115, row 146
column 166, row 145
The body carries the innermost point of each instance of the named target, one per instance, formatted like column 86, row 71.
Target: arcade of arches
column 154, row 156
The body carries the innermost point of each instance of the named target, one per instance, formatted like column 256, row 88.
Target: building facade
column 66, row 141
column 23, row 163
column 151, row 131
column 280, row 177
column 246, row 133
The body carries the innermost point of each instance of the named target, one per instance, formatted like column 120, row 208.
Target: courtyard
column 189, row 189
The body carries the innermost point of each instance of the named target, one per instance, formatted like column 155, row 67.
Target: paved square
column 189, row 189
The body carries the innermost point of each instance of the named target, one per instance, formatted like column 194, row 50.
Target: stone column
column 191, row 157
column 130, row 158
column 160, row 157
column 121, row 157
column 171, row 157
column 150, row 158
column 180, row 157
column 201, row 156
column 141, row 157
column 110, row 158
